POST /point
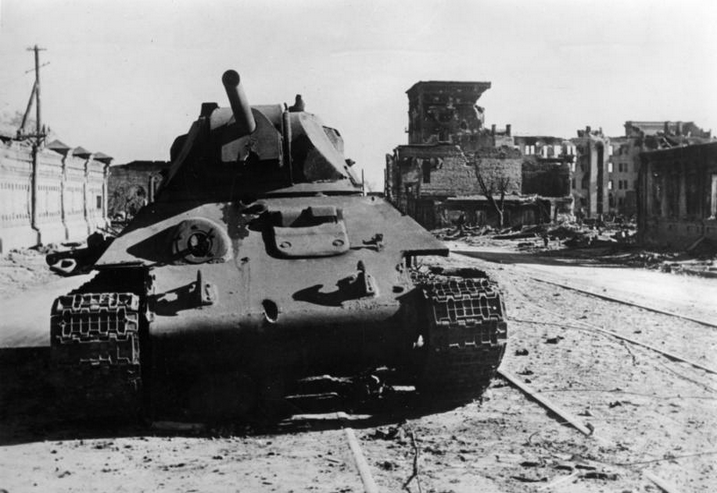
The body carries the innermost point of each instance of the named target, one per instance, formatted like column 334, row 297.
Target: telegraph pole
column 37, row 142
column 39, row 133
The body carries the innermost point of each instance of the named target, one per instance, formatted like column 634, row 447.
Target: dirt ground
column 21, row 270
column 649, row 415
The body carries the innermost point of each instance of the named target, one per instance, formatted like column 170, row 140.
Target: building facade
column 423, row 181
column 446, row 111
column 547, row 170
column 590, row 176
column 677, row 203
column 50, row 194
column 624, row 156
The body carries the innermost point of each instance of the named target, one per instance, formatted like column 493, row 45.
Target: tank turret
column 261, row 265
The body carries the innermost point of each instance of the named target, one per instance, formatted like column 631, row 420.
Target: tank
column 261, row 266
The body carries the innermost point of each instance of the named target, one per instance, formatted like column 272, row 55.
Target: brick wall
column 498, row 163
column 452, row 175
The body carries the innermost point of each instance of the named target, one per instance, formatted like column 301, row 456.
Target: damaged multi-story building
column 604, row 170
column 547, row 170
column 643, row 136
column 455, row 170
column 591, row 181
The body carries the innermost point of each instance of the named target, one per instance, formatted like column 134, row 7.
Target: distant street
column 688, row 295
column 25, row 317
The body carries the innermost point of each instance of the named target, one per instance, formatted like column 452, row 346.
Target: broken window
column 656, row 194
column 692, row 198
column 426, row 166
column 445, row 116
column 672, row 191
column 609, row 185
column 609, row 167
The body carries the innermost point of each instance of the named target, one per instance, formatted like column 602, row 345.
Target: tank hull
column 224, row 328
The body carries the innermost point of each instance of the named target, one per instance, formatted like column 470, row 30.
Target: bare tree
column 495, row 188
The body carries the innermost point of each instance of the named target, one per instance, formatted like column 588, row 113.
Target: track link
column 466, row 334
column 95, row 351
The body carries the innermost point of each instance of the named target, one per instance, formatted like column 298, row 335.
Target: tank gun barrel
column 239, row 103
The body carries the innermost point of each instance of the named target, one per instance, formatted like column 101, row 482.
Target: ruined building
column 678, row 200
column 590, row 177
column 547, row 170
column 455, row 170
column 624, row 160
column 447, row 112
column 133, row 185
column 604, row 170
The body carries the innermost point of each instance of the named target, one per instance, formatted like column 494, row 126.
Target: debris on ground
column 613, row 242
column 22, row 269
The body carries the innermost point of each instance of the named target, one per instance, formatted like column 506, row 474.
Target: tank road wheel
column 465, row 335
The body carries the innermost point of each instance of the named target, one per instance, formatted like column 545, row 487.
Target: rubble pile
column 700, row 260
column 602, row 241
column 22, row 269
column 566, row 234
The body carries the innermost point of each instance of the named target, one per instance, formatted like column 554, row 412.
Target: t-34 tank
column 259, row 263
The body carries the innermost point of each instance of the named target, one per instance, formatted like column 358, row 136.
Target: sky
column 126, row 77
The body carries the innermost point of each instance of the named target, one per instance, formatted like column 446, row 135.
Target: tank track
column 95, row 347
column 466, row 335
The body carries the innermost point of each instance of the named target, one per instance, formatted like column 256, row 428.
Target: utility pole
column 39, row 134
column 37, row 141
column 38, row 117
